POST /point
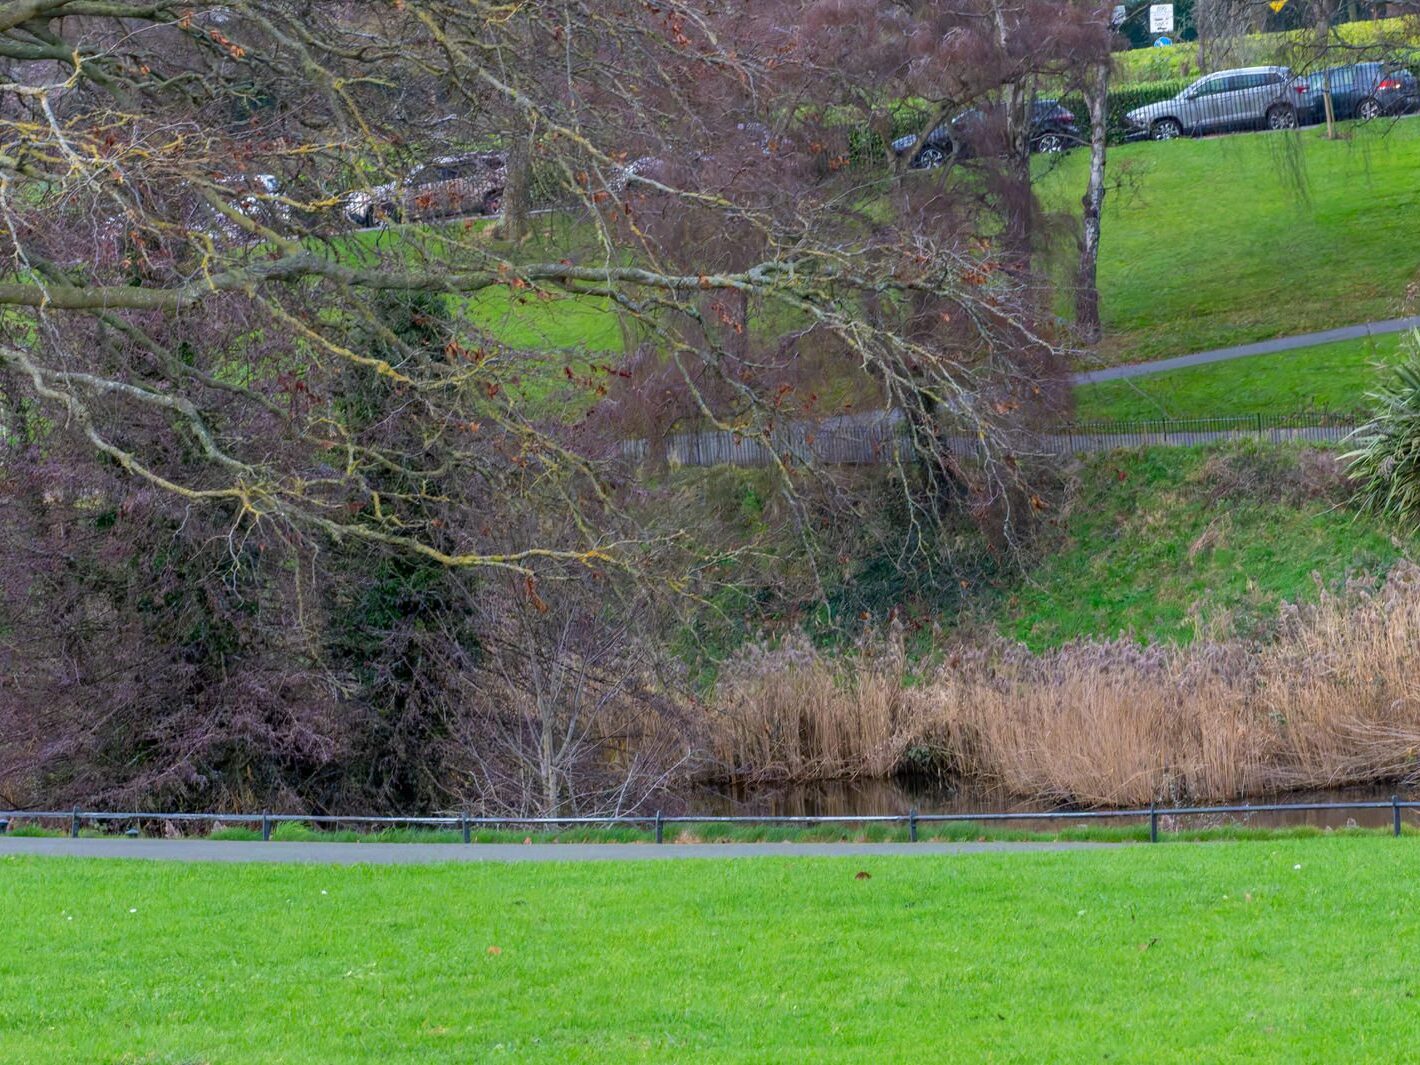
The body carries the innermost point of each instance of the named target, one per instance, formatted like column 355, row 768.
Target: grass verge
column 1226, row 240
column 1171, row 544
column 1193, row 829
column 1292, row 951
column 1328, row 377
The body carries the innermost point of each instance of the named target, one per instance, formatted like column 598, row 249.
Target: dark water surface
column 859, row 798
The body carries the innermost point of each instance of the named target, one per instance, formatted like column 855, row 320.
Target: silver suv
column 1230, row 99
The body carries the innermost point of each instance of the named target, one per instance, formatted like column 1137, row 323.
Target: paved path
column 1242, row 351
column 426, row 853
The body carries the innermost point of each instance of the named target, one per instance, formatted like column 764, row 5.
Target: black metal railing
column 884, row 438
column 657, row 822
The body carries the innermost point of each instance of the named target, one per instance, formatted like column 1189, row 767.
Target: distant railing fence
column 658, row 821
column 884, row 438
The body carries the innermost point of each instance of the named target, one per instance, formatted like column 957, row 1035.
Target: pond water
column 853, row 798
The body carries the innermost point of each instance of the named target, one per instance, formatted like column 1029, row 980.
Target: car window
column 1207, row 87
column 1251, row 81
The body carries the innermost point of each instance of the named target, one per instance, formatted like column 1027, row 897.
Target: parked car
column 1362, row 90
column 444, row 188
column 1249, row 98
column 1052, row 129
column 257, row 196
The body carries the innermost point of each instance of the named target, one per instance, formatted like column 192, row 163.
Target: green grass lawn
column 1288, row 951
column 1170, row 544
column 1231, row 239
column 1330, row 377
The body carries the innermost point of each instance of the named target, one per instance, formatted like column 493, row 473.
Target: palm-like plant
column 1385, row 461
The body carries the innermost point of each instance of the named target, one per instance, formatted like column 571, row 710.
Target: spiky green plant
column 1385, row 461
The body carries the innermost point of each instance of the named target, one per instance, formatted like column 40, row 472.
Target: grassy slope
column 1331, row 377
column 1240, row 238
column 1173, row 543
column 1225, row 952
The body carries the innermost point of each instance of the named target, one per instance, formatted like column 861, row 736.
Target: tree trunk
column 517, row 192
column 1087, row 293
column 1017, row 204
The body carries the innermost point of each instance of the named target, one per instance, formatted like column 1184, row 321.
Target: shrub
column 1386, row 460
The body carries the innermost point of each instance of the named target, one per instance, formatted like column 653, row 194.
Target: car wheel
column 1368, row 109
column 1282, row 118
column 930, row 157
column 1050, row 142
column 1166, row 129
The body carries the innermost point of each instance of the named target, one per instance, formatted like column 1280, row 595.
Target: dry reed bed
column 1333, row 699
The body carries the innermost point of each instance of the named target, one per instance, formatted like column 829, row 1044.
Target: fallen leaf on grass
column 863, row 874
column 495, row 950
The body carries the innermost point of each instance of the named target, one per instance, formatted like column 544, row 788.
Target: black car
column 1052, row 129
column 1362, row 90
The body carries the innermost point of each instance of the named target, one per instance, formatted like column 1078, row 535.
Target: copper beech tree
column 299, row 409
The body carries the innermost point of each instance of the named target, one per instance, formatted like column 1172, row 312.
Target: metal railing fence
column 884, row 438
column 657, row 822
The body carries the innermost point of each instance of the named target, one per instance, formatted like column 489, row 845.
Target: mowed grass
column 1293, row 951
column 1328, row 377
column 1174, row 544
column 1222, row 241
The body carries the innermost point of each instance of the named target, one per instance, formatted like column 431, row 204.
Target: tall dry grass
column 1334, row 699
column 788, row 712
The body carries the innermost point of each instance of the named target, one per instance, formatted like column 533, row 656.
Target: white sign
column 1120, row 14
column 1160, row 18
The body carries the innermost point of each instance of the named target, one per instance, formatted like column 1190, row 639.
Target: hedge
column 1122, row 100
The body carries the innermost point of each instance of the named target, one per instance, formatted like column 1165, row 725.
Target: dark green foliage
column 1122, row 100
column 1386, row 458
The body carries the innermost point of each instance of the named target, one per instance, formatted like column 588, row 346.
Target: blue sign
column 1163, row 42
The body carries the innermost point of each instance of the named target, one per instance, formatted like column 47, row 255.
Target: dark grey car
column 1361, row 90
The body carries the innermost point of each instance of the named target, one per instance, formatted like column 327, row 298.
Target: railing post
column 1153, row 822
column 463, row 823
column 265, row 826
column 74, row 824
column 912, row 825
column 1395, row 809
column 660, row 828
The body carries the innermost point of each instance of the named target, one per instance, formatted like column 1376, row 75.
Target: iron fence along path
column 657, row 822
column 883, row 438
